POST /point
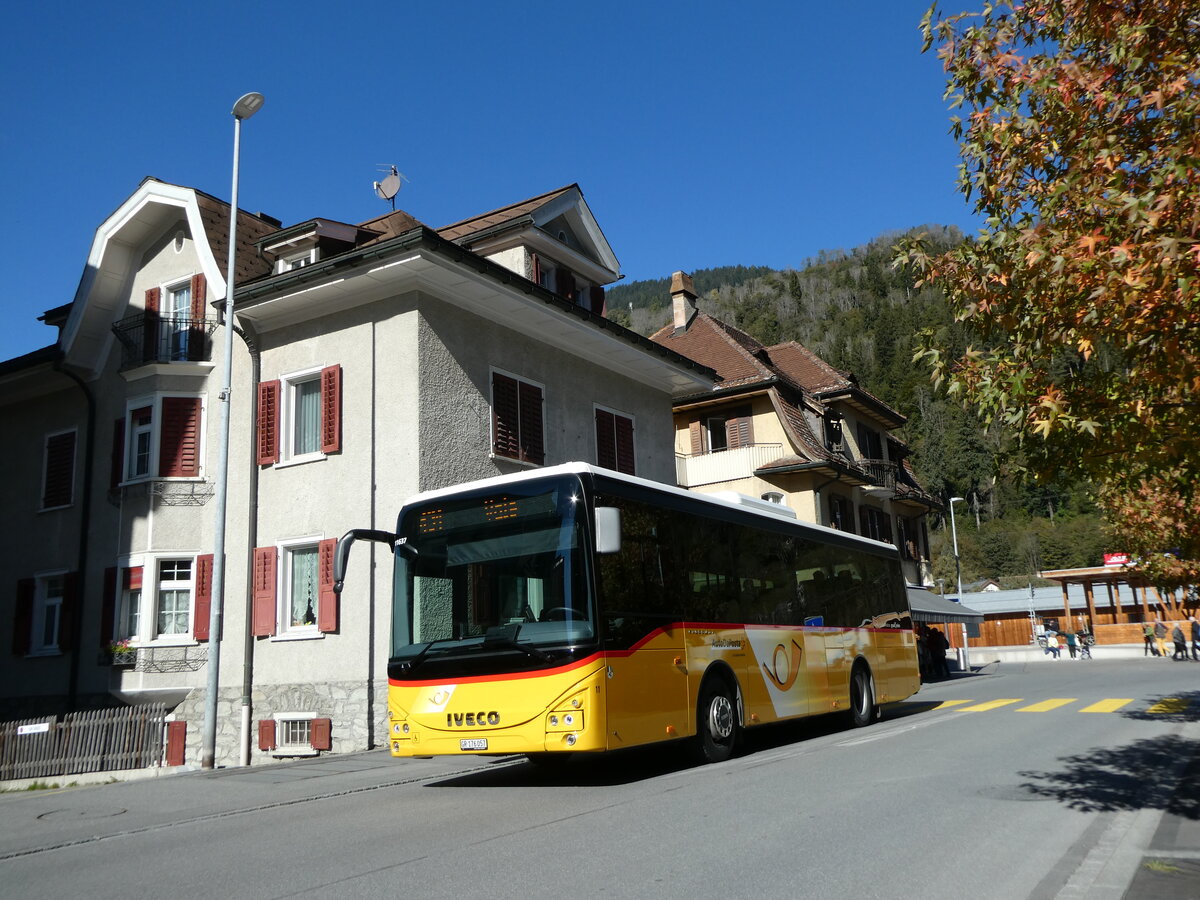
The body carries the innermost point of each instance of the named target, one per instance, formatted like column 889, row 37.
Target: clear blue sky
column 702, row 133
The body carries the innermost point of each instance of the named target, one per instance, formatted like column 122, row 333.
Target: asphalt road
column 1056, row 792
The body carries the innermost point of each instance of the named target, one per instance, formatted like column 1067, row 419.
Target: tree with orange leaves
column 1080, row 144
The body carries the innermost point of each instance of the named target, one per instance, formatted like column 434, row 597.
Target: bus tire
column 863, row 708
column 716, row 721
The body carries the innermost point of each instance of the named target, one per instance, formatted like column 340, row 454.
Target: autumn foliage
column 1079, row 128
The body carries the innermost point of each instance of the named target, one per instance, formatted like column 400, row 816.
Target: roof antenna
column 389, row 187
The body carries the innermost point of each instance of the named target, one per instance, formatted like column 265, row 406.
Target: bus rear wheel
column 716, row 722
column 863, row 709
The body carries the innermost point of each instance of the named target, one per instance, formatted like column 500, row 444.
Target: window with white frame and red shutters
column 158, row 437
column 292, row 593
column 300, row 416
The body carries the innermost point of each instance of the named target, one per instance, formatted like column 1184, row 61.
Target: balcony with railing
column 724, row 465
column 149, row 338
column 882, row 473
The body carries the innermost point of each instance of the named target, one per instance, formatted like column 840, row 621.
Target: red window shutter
column 23, row 616
column 327, row 600
column 331, row 409
column 506, row 417
column 116, row 472
column 108, row 607
column 532, row 447
column 197, row 335
column 150, row 325
column 204, row 575
column 68, row 616
column 606, row 439
column 738, row 431
column 268, row 423
column 535, row 268
column 176, row 743
column 596, row 299
column 564, row 283
column 266, row 734
column 265, row 559
column 321, row 734
column 696, row 433
column 179, row 438
column 59, row 486
column 624, row 436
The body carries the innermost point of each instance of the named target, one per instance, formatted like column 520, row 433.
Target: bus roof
column 756, row 509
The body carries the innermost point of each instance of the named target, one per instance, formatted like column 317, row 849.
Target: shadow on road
column 1141, row 775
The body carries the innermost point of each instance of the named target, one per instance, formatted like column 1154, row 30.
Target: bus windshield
column 496, row 575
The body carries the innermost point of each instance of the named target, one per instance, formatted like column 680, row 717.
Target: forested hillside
column 860, row 315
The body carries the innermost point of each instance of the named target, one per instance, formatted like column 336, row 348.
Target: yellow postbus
column 573, row 610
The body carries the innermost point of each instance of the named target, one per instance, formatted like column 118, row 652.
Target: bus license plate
column 472, row 744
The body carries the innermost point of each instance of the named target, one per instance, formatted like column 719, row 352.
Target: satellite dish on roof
column 389, row 187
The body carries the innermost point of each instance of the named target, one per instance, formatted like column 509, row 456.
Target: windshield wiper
column 410, row 665
column 506, row 636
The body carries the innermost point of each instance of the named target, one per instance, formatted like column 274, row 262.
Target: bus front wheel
column 716, row 722
column 863, row 709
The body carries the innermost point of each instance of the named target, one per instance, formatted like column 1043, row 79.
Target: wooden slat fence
column 99, row 740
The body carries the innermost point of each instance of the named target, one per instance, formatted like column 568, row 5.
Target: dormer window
column 297, row 260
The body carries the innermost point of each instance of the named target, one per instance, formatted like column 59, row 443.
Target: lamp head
column 954, row 500
column 247, row 105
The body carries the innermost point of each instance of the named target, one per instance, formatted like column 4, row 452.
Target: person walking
column 1180, row 643
column 1148, row 638
column 1195, row 638
column 1072, row 643
column 1160, row 637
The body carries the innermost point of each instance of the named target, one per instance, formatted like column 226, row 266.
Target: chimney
column 683, row 301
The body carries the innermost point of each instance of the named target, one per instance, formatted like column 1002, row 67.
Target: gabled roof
column 504, row 216
column 101, row 296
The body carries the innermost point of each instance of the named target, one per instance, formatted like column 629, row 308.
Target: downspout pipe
column 85, row 518
column 249, row 338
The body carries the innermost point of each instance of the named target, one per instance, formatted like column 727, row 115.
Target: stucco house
column 374, row 360
column 783, row 425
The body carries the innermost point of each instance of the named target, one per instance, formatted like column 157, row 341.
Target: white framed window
column 518, row 430
column 615, row 440
column 295, row 734
column 173, row 598
column 176, row 320
column 140, row 442
column 301, row 420
column 47, row 613
column 129, row 610
column 297, row 260
column 164, row 436
column 299, row 588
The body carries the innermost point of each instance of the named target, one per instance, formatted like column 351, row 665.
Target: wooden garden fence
column 101, row 740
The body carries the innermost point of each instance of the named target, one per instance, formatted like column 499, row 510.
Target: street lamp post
column 963, row 661
column 246, row 106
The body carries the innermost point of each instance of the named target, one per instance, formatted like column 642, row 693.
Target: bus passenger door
column 646, row 692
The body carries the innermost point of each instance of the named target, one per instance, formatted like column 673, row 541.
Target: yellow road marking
column 1106, row 706
column 946, row 703
column 991, row 704
column 1169, row 705
column 1047, row 705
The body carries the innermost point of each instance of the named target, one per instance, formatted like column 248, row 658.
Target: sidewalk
column 982, row 656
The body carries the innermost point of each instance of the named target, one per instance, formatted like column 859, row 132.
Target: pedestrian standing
column 1148, row 638
column 1195, row 638
column 1085, row 644
column 1072, row 643
column 1160, row 636
column 1180, row 643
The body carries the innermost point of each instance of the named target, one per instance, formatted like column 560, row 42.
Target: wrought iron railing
column 881, row 471
column 151, row 338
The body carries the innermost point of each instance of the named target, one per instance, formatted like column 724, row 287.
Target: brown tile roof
column 459, row 230
column 808, row 369
column 248, row 265
column 730, row 352
column 389, row 225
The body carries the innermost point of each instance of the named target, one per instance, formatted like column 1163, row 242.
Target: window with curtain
column 306, row 417
column 301, row 589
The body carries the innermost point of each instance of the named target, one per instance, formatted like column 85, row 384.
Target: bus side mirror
column 342, row 553
column 608, row 529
